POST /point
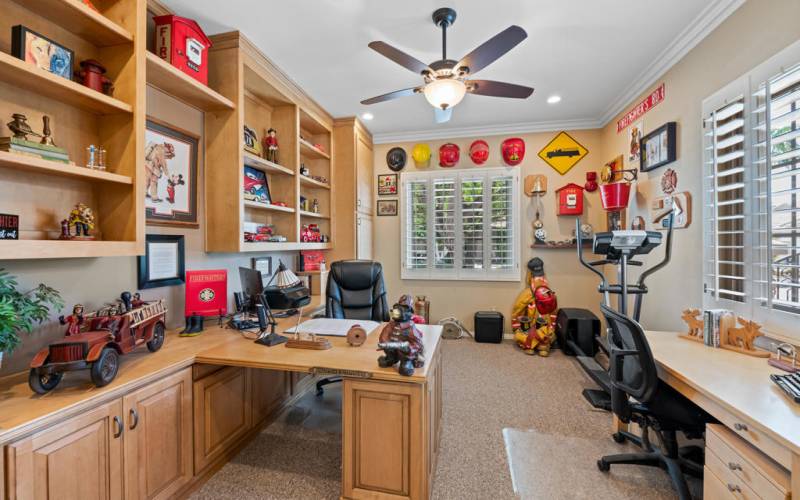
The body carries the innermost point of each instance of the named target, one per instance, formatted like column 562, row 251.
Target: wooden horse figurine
column 741, row 339
column 695, row 325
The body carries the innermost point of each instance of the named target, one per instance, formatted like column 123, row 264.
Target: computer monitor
column 252, row 284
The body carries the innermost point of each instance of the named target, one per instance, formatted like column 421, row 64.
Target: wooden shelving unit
column 313, row 215
column 42, row 192
column 263, row 206
column 313, row 182
column 169, row 79
column 258, row 162
column 312, row 151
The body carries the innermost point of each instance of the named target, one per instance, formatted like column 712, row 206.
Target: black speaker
column 576, row 330
column 488, row 327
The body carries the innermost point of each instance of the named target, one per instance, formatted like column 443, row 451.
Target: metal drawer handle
column 135, row 417
column 734, row 488
column 740, row 427
column 120, row 427
column 734, row 466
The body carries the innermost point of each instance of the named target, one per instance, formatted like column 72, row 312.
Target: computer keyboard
column 790, row 384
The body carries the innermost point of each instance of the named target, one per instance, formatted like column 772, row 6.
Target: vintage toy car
column 97, row 341
column 263, row 233
column 310, row 234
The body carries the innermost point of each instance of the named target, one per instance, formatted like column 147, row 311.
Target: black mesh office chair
column 355, row 291
column 637, row 395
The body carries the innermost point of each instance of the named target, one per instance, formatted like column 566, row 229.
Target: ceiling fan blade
column 391, row 95
column 399, row 57
column 443, row 115
column 498, row 89
column 492, row 49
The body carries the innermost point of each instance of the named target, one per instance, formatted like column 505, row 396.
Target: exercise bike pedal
column 598, row 399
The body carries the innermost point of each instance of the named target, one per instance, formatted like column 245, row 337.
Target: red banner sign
column 207, row 292
column 643, row 107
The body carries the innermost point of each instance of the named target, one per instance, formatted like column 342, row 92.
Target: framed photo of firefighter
column 163, row 263
column 170, row 161
column 658, row 148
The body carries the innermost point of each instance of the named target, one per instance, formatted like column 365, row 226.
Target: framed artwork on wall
column 387, row 184
column 658, row 147
column 42, row 52
column 387, row 208
column 163, row 263
column 170, row 161
column 262, row 265
column 256, row 185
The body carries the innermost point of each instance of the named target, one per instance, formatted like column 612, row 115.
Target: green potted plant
column 21, row 311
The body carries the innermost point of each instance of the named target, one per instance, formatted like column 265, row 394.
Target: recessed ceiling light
column 367, row 116
column 553, row 99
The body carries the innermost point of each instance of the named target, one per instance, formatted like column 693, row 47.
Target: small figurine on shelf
column 315, row 206
column 174, row 180
column 95, row 157
column 47, row 134
column 304, row 171
column 271, row 145
column 82, row 219
column 93, row 75
column 19, row 126
column 74, row 321
column 401, row 340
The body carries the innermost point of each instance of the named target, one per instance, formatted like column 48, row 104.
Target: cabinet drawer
column 714, row 488
column 732, row 485
column 748, row 464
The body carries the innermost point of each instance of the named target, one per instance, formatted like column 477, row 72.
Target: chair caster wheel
column 618, row 437
column 320, row 391
column 603, row 465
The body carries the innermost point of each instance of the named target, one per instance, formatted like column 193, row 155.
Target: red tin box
column 570, row 199
column 182, row 43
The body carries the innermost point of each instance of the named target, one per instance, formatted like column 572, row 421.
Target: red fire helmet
column 545, row 299
column 448, row 155
column 513, row 151
column 479, row 152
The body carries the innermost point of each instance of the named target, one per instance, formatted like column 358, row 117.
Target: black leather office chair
column 637, row 395
column 355, row 291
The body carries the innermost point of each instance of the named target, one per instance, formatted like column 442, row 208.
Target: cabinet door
column 158, row 440
column 79, row 459
column 364, row 171
column 270, row 388
column 363, row 237
column 222, row 414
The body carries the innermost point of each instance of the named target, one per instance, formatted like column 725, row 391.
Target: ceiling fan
column 446, row 80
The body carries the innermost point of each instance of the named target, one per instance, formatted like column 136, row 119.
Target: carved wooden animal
column 695, row 325
column 744, row 337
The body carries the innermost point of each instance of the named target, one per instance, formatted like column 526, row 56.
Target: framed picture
column 387, row 184
column 42, row 52
column 163, row 261
column 634, row 142
column 263, row 265
column 615, row 221
column 251, row 142
column 256, row 186
column 387, row 208
column 658, row 147
column 170, row 161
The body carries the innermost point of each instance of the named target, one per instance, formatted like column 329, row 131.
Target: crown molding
column 485, row 131
column 708, row 20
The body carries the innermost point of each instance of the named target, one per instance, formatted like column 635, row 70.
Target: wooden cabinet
column 222, row 413
column 363, row 236
column 80, row 459
column 158, row 440
column 364, row 169
column 269, row 389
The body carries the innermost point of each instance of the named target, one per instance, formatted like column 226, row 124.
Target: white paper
column 332, row 327
column 162, row 260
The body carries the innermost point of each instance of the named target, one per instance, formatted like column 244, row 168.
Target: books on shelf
column 34, row 149
column 714, row 320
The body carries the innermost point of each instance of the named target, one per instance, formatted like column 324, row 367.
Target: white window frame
column 430, row 273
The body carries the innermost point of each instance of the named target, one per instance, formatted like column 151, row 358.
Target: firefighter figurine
column 401, row 340
column 533, row 315
column 74, row 321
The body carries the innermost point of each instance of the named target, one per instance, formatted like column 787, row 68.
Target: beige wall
column 755, row 32
column 94, row 282
column 574, row 286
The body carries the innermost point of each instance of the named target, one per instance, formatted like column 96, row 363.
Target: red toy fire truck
column 182, row 43
column 310, row 234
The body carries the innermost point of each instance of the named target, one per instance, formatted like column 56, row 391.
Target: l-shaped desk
column 390, row 423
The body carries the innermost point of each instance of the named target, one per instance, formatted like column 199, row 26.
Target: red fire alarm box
column 182, row 43
column 570, row 199
column 207, row 292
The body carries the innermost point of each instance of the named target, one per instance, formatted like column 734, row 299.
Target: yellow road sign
column 563, row 152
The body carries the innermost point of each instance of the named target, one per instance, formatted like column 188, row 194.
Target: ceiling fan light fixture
column 445, row 93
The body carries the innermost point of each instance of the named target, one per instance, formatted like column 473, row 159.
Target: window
column 752, row 195
column 460, row 225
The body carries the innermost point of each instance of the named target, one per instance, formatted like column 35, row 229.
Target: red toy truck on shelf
column 95, row 341
column 182, row 43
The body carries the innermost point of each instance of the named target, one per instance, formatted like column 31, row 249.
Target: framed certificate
column 163, row 262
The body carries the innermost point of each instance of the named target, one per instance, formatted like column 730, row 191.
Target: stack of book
column 714, row 320
column 35, row 149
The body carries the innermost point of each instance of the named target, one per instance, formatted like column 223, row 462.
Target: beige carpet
column 487, row 388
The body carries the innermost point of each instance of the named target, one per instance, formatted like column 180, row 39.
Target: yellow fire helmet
column 422, row 155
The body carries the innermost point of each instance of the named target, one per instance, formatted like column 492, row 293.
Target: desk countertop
column 735, row 381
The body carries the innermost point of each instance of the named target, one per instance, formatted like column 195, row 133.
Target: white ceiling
column 596, row 54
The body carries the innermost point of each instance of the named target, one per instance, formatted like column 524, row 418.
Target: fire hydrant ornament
column 534, row 312
column 400, row 340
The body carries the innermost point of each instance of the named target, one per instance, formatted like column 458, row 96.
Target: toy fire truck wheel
column 158, row 337
column 105, row 368
column 42, row 384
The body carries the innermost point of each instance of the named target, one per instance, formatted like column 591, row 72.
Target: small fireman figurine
column 533, row 315
column 271, row 145
column 174, row 180
column 82, row 219
column 74, row 321
column 401, row 340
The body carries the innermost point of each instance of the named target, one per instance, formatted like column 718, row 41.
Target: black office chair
column 637, row 395
column 355, row 291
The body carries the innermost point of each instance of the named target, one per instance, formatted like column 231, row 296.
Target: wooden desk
column 737, row 391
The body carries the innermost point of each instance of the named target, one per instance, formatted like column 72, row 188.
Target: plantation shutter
column 502, row 240
column 415, row 215
column 443, row 216
column 472, row 222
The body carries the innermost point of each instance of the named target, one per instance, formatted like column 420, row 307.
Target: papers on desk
column 332, row 327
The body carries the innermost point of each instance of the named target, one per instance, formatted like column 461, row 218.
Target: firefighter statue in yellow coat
column 534, row 313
